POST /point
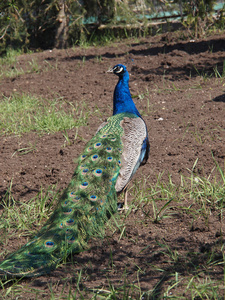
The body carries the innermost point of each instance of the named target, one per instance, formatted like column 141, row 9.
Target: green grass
column 156, row 199
column 217, row 72
column 8, row 64
column 10, row 57
column 181, row 274
column 205, row 196
column 21, row 113
column 10, row 67
column 25, row 217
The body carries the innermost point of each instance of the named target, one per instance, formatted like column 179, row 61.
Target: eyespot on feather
column 84, row 185
column 71, row 240
column 68, row 211
column 97, row 145
column 108, row 149
column 49, row 244
column 94, row 157
column 69, row 222
column 93, row 198
column 98, row 172
column 90, row 149
column 84, row 172
column 82, row 167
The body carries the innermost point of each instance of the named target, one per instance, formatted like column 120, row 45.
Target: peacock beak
column 110, row 71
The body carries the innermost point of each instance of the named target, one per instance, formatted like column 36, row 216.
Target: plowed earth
column 176, row 89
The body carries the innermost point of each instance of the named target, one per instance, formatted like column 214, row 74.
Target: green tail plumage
column 82, row 210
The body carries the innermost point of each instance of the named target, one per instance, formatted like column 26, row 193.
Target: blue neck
column 122, row 101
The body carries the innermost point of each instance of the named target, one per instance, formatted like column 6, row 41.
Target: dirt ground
column 183, row 103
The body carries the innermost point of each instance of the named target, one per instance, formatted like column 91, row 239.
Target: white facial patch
column 118, row 71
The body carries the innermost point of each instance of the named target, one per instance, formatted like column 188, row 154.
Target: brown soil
column 185, row 119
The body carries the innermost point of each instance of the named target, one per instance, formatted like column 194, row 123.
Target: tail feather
column 82, row 209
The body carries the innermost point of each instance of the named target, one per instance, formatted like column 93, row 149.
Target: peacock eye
column 118, row 69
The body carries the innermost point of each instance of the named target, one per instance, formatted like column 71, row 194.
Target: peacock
column 104, row 170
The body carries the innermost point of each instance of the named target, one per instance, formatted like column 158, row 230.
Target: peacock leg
column 126, row 207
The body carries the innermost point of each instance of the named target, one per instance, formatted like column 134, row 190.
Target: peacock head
column 118, row 69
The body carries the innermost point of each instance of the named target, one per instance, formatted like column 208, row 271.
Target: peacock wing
column 134, row 149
